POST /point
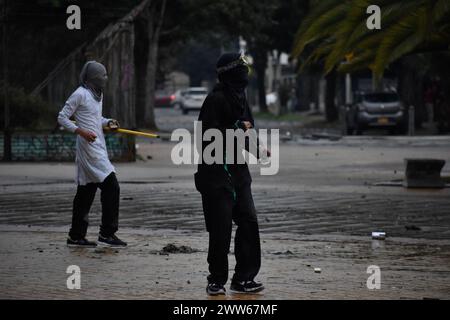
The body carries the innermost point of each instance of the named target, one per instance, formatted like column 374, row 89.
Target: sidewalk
column 34, row 262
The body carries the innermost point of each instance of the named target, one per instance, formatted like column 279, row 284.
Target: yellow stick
column 137, row 133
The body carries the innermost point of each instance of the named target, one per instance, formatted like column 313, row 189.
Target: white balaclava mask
column 94, row 76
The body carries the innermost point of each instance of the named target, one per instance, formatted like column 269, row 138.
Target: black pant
column 220, row 209
column 110, row 198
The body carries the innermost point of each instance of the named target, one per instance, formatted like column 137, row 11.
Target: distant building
column 280, row 71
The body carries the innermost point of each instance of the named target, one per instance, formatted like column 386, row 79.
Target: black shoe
column 214, row 289
column 246, row 287
column 81, row 243
column 111, row 241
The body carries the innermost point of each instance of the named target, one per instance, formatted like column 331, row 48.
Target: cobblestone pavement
column 160, row 206
column 318, row 211
column 34, row 263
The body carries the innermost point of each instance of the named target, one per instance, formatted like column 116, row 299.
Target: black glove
column 113, row 124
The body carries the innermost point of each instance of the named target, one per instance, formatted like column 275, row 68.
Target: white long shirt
column 93, row 164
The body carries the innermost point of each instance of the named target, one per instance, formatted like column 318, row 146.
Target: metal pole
column 411, row 121
column 6, row 129
column 348, row 89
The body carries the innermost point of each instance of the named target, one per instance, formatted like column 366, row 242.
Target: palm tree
column 336, row 30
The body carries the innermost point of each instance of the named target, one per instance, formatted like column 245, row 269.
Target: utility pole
column 6, row 129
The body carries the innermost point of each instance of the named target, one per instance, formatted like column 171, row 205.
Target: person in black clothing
column 225, row 188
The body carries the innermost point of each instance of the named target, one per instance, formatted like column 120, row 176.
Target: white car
column 192, row 99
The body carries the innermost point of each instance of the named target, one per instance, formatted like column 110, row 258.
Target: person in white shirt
column 94, row 170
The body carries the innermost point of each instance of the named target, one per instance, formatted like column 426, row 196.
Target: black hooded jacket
column 220, row 111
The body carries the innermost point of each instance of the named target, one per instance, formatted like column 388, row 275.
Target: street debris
column 287, row 252
column 317, row 270
column 412, row 228
column 286, row 137
column 326, row 136
column 377, row 235
column 423, row 173
column 171, row 248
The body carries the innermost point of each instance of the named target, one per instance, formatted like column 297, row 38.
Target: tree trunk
column 149, row 114
column 149, row 29
column 141, row 47
column 260, row 69
column 331, row 111
column 411, row 89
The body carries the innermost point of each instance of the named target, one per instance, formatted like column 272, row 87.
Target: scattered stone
column 317, row 270
column 127, row 198
column 287, row 252
column 171, row 248
column 412, row 228
column 329, row 136
column 149, row 157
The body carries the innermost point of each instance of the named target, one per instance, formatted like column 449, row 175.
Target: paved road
column 324, row 188
column 307, row 212
column 317, row 212
column 34, row 263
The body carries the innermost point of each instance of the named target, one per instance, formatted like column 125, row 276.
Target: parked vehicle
column 163, row 99
column 376, row 110
column 191, row 99
column 178, row 98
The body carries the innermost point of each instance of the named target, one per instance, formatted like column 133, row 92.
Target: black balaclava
column 234, row 78
column 93, row 77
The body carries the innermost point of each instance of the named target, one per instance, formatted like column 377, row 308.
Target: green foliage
column 26, row 111
column 335, row 29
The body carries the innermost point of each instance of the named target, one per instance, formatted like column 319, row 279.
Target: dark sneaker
column 246, row 287
column 214, row 289
column 112, row 241
column 81, row 243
